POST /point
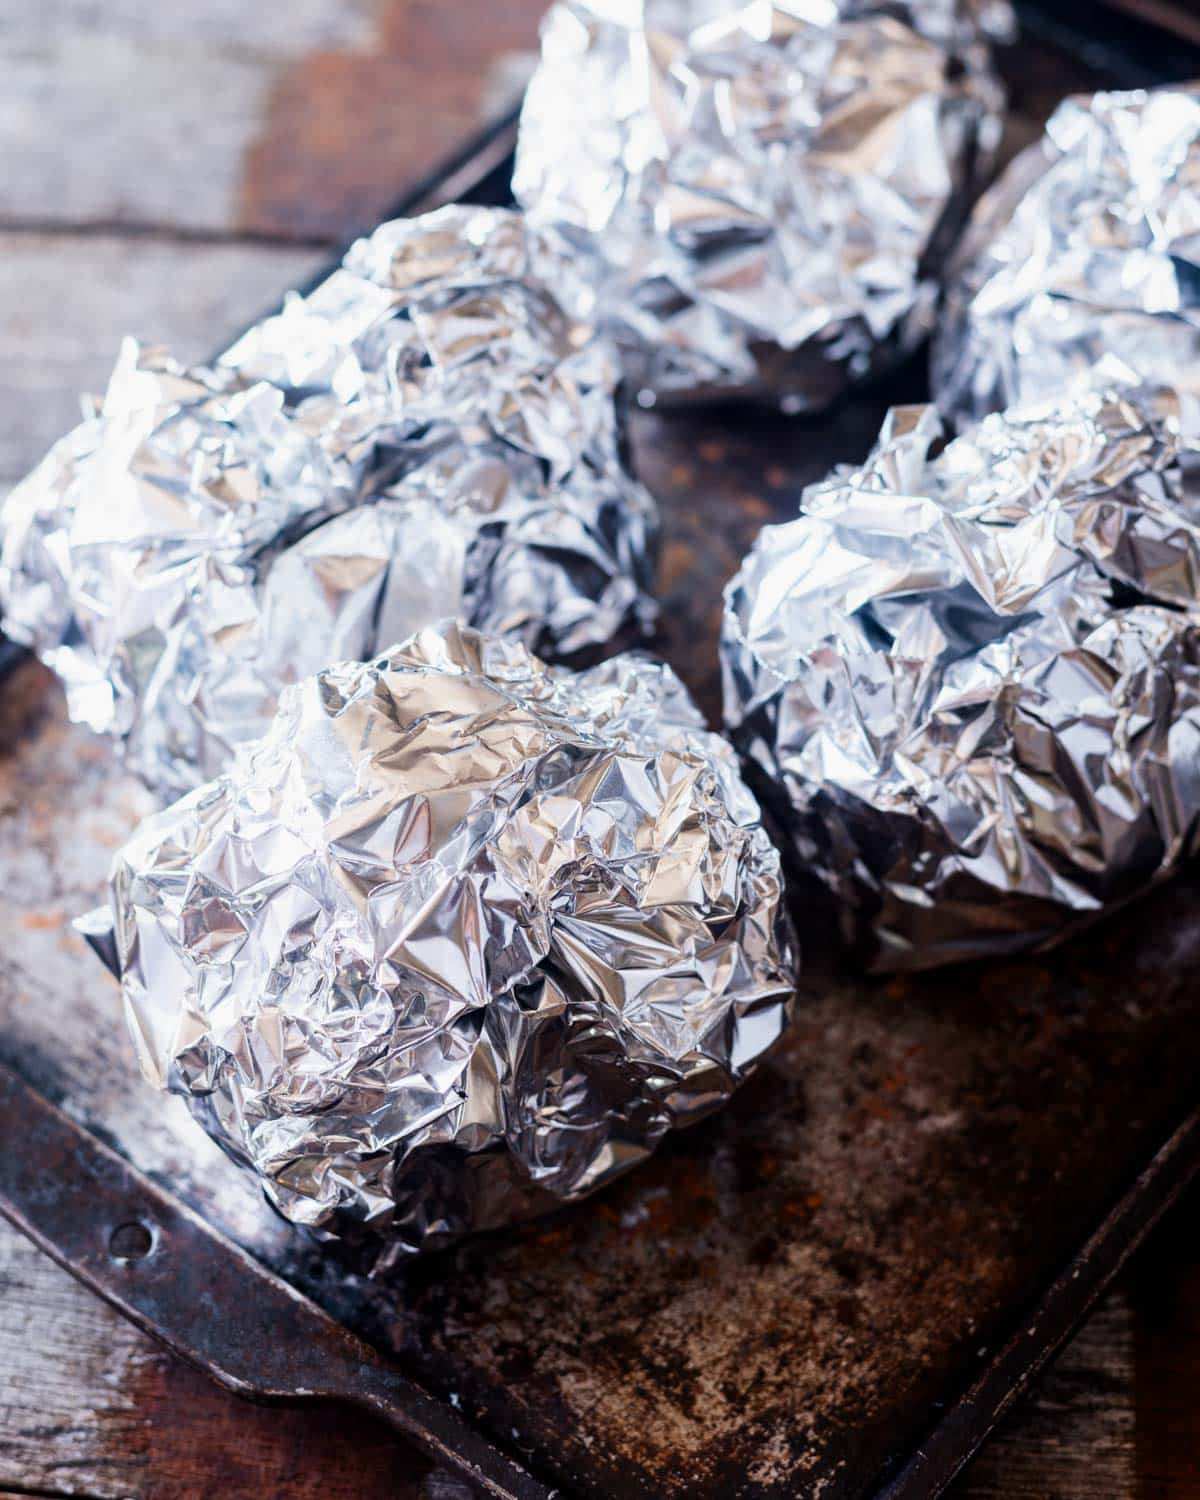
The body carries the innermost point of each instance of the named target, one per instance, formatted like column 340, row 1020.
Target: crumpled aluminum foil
column 459, row 940
column 110, row 538
column 970, row 683
column 764, row 192
column 431, row 430
column 1083, row 261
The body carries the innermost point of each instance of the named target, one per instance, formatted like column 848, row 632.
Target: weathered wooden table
column 169, row 170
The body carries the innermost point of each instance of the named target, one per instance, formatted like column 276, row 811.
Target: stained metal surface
column 173, row 1275
column 792, row 1298
column 871, row 1217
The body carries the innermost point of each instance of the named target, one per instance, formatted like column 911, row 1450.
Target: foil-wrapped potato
column 764, row 193
column 432, row 430
column 459, row 940
column 968, row 681
column 1082, row 263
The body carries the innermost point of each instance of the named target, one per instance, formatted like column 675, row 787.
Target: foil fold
column 764, row 193
column 431, row 430
column 968, row 681
column 1081, row 263
column 459, row 940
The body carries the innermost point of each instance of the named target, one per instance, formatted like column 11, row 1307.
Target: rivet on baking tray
column 131, row 1240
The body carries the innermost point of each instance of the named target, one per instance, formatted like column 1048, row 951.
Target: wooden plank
column 66, row 301
column 1116, row 1418
column 203, row 130
column 220, row 120
column 1076, row 1439
column 185, row 116
column 90, row 1406
column 229, row 27
column 297, row 131
column 433, row 74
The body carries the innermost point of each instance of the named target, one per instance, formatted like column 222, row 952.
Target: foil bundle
column 971, row 681
column 1082, row 262
column 459, row 940
column 764, row 192
column 431, row 431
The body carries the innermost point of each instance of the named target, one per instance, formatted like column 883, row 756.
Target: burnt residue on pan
column 781, row 1300
column 787, row 1291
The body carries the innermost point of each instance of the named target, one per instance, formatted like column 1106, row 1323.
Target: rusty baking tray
column 833, row 1289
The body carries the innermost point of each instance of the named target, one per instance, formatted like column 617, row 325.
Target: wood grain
column 1078, row 1436
column 90, row 1406
column 385, row 116
column 161, row 172
column 169, row 170
column 222, row 119
column 155, row 135
column 67, row 300
column 85, row 1398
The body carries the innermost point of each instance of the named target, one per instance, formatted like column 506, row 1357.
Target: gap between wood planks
column 93, row 1409
column 169, row 234
column 67, row 300
column 103, row 1403
column 22, row 1494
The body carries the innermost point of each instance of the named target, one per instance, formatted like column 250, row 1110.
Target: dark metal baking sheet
column 832, row 1288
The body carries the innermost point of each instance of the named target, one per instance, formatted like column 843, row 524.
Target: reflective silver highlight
column 764, row 191
column 972, row 680
column 432, row 430
column 1082, row 263
column 460, row 939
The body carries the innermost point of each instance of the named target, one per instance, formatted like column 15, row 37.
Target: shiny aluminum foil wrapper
column 431, row 431
column 1082, row 263
column 764, row 192
column 459, row 940
column 969, row 683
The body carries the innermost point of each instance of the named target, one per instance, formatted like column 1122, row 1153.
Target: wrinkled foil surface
column 1083, row 262
column 459, row 940
column 972, row 680
column 764, row 192
column 431, row 431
